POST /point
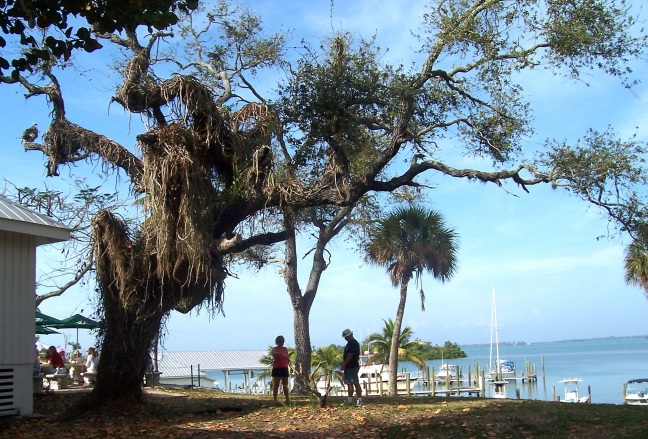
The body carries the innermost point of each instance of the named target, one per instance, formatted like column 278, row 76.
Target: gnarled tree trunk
column 125, row 353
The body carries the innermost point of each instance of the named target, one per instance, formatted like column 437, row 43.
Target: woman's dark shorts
column 279, row 372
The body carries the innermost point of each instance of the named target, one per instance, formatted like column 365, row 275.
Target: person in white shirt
column 91, row 364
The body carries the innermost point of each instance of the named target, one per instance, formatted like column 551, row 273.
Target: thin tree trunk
column 393, row 350
column 302, row 350
column 302, row 303
column 301, row 309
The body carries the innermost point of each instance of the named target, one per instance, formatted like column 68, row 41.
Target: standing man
column 351, row 366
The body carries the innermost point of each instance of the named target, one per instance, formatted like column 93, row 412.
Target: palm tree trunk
column 393, row 351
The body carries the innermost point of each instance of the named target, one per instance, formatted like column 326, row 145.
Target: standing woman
column 280, row 361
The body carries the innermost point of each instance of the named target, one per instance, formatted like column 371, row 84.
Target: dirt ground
column 213, row 414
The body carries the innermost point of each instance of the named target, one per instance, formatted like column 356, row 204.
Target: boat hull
column 636, row 392
column 636, row 400
column 572, row 393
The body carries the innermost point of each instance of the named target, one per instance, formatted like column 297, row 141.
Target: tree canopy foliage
column 217, row 161
column 426, row 351
column 380, row 344
column 42, row 28
column 636, row 261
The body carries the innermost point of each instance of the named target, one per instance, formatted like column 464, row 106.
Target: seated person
column 76, row 356
column 54, row 363
column 91, row 364
column 92, row 361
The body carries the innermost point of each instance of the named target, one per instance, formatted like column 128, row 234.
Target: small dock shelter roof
column 179, row 364
column 17, row 219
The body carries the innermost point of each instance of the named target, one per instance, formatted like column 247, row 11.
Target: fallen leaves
column 242, row 417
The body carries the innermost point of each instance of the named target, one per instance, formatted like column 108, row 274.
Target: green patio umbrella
column 76, row 321
column 45, row 320
column 44, row 330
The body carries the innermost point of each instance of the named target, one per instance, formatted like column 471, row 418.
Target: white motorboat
column 571, row 391
column 636, row 392
column 372, row 377
column 499, row 389
column 448, row 372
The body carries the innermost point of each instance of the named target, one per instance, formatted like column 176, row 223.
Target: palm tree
column 326, row 361
column 636, row 262
column 408, row 242
column 381, row 345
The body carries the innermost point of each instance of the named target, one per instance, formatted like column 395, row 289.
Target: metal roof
column 178, row 364
column 18, row 219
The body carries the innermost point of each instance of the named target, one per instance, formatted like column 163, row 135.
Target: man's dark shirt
column 352, row 347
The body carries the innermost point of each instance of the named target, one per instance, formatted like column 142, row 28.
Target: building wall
column 17, row 306
column 186, row 381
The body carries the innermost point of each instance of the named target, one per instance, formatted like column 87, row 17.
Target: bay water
column 603, row 364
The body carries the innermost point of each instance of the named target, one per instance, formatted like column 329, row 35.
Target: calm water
column 603, row 365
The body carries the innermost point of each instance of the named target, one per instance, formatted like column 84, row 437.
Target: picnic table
column 76, row 370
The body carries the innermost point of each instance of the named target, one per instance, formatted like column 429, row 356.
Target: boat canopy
column 638, row 380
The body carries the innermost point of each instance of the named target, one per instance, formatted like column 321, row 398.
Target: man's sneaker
column 359, row 403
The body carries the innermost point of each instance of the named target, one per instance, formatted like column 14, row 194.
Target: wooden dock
column 455, row 391
column 428, row 384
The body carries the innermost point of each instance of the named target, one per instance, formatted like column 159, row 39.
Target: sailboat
column 496, row 371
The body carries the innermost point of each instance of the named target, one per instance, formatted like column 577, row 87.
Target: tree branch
column 86, row 267
column 407, row 179
column 261, row 239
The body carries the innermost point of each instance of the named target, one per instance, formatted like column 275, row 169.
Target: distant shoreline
column 517, row 343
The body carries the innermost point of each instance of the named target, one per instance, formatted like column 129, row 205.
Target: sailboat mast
column 492, row 329
column 497, row 365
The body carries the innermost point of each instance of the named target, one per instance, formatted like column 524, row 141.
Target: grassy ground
column 213, row 414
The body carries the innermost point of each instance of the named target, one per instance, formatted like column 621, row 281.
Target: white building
column 185, row 368
column 21, row 231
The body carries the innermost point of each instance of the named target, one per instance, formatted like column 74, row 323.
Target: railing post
column 407, row 384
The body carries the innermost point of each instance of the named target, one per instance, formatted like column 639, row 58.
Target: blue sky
column 555, row 280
